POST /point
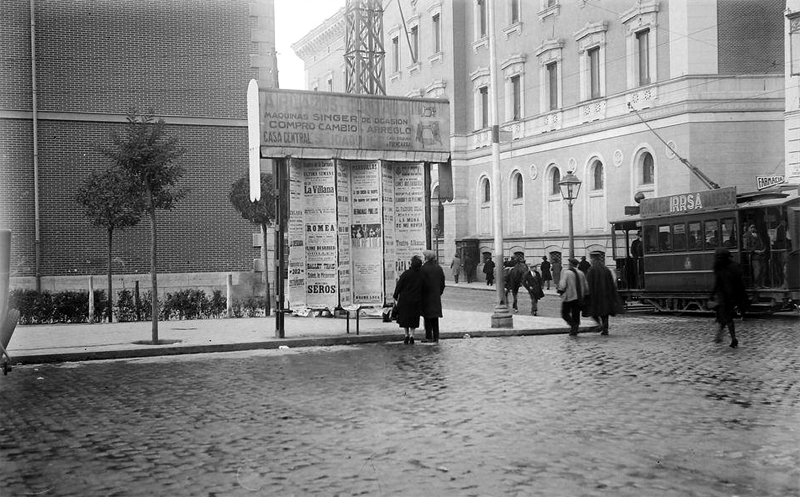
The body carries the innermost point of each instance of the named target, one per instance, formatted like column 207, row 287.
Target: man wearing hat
column 432, row 289
column 573, row 288
column 605, row 299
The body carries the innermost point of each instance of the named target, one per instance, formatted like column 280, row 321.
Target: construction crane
column 364, row 54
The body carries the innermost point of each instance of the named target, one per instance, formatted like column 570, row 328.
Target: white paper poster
column 409, row 213
column 321, row 234
column 366, row 233
column 296, row 232
column 343, row 209
column 389, row 248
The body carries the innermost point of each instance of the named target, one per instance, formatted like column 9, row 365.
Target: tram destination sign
column 687, row 203
column 295, row 122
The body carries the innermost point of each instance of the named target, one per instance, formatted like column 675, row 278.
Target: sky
column 293, row 20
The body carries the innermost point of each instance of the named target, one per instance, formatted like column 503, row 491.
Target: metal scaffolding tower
column 364, row 52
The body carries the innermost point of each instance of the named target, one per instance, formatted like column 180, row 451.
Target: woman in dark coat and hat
column 728, row 293
column 408, row 295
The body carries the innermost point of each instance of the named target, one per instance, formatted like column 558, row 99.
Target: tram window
column 679, row 236
column 712, row 234
column 650, row 237
column 664, row 239
column 728, row 230
column 695, row 236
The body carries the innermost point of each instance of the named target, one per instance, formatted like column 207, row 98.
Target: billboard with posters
column 353, row 227
column 323, row 124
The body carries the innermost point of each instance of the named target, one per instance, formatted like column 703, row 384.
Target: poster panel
column 296, row 233
column 389, row 248
column 343, row 206
column 409, row 213
column 321, row 234
column 366, row 233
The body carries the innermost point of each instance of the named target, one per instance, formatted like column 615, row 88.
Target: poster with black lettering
column 409, row 213
column 343, row 207
column 366, row 233
column 321, row 234
column 389, row 248
column 296, row 263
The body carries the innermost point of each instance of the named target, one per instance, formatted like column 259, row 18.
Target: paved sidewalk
column 36, row 344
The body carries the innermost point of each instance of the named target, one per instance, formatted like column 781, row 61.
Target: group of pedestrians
column 591, row 292
column 418, row 293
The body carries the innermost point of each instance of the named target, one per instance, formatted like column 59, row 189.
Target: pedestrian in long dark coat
column 547, row 276
column 488, row 270
column 603, row 297
column 408, row 295
column 432, row 295
column 728, row 293
column 532, row 281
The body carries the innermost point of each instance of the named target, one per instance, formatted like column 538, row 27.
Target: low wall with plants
column 73, row 306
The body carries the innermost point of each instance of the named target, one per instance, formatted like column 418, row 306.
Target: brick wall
column 746, row 40
column 182, row 58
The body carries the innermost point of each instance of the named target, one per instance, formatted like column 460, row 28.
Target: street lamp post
column 570, row 186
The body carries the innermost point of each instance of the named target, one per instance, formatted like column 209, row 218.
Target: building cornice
column 330, row 32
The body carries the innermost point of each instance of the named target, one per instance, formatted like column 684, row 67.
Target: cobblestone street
column 654, row 409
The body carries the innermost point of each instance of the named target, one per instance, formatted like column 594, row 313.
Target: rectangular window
column 650, row 239
column 395, row 54
column 330, row 84
column 643, row 54
column 695, row 236
column 484, row 107
column 552, row 85
column 437, row 34
column 679, row 236
column 594, row 72
column 482, row 18
column 664, row 239
column 728, row 231
column 516, row 96
column 514, row 11
column 712, row 234
column 414, row 35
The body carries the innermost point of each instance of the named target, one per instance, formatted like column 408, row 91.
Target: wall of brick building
column 187, row 60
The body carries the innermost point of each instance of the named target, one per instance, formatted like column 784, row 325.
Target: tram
column 664, row 254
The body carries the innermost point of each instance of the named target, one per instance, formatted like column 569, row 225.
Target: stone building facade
column 617, row 92
column 188, row 62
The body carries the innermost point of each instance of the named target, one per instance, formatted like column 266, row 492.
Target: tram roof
column 777, row 196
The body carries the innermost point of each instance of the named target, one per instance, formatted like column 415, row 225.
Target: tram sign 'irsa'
column 687, row 203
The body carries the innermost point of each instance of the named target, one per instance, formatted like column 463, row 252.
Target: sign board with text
column 313, row 124
column 687, row 203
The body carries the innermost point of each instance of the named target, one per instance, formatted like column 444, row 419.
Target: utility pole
column 501, row 318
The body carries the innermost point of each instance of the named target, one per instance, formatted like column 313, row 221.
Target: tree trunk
column 268, row 304
column 110, row 305
column 153, row 276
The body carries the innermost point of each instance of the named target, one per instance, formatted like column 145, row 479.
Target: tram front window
column 728, row 228
column 679, row 236
column 650, row 238
column 695, row 236
column 712, row 234
column 664, row 239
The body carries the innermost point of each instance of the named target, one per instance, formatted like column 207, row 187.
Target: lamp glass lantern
column 570, row 186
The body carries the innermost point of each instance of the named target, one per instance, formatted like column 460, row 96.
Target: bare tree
column 145, row 151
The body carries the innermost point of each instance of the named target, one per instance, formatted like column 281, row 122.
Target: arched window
column 597, row 175
column 596, row 214
column 556, row 179
column 518, row 186
column 485, row 207
column 648, row 169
